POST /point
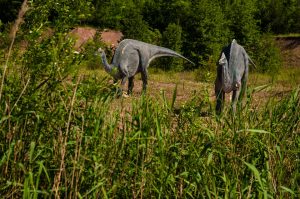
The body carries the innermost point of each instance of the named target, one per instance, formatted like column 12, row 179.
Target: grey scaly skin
column 232, row 74
column 132, row 57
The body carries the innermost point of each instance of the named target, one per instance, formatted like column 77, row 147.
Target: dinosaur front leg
column 145, row 80
column 220, row 97
column 244, row 84
column 235, row 98
column 130, row 85
column 123, row 82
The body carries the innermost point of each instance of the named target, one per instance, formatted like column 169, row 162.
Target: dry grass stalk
column 57, row 178
column 13, row 33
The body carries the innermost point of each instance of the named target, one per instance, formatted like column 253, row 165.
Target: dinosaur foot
column 124, row 94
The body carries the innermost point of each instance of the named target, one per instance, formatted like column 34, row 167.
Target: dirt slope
column 290, row 49
column 84, row 34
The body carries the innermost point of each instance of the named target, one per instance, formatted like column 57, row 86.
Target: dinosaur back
column 148, row 51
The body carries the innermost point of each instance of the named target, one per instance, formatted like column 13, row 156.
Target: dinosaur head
column 99, row 51
column 223, row 60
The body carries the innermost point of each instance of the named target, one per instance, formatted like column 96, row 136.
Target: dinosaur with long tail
column 132, row 57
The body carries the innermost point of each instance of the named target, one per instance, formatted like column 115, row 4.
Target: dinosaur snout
column 100, row 50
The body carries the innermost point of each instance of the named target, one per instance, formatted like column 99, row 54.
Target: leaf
column 255, row 172
column 32, row 149
column 260, row 88
column 285, row 189
column 174, row 97
column 257, row 131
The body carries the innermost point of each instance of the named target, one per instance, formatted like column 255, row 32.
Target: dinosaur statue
column 232, row 74
column 132, row 57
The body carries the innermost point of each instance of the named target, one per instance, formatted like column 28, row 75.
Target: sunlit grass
column 152, row 149
column 288, row 35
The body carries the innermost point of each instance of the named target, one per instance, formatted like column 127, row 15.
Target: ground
column 290, row 49
column 84, row 34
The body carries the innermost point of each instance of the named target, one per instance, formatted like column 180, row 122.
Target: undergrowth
column 68, row 143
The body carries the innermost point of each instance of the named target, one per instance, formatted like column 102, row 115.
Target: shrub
column 267, row 55
column 171, row 39
column 90, row 59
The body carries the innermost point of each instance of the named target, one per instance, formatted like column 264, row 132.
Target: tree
column 242, row 21
column 279, row 16
column 61, row 14
column 9, row 10
column 171, row 39
column 206, row 32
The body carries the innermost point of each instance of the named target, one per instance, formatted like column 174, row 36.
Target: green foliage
column 207, row 30
column 49, row 59
column 88, row 50
column 267, row 56
column 242, row 22
column 10, row 9
column 152, row 142
column 171, row 39
column 206, row 25
column 62, row 15
column 133, row 26
column 279, row 16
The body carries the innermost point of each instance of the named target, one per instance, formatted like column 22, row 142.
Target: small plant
column 90, row 48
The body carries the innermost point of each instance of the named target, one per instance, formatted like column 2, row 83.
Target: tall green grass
column 80, row 144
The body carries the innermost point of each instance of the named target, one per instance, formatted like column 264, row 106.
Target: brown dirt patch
column 290, row 50
column 111, row 37
column 85, row 34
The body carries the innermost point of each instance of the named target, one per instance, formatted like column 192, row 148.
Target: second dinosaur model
column 132, row 57
column 232, row 74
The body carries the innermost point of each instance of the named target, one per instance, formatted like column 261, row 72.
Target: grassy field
column 81, row 141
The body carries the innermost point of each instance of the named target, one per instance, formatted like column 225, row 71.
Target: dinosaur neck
column 107, row 66
column 227, row 78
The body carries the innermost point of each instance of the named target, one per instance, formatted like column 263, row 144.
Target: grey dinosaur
column 132, row 57
column 232, row 74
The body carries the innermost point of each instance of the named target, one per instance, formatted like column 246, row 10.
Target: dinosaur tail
column 165, row 52
column 251, row 62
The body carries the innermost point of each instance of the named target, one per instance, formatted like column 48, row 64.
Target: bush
column 267, row 55
column 206, row 32
column 91, row 60
column 172, row 39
